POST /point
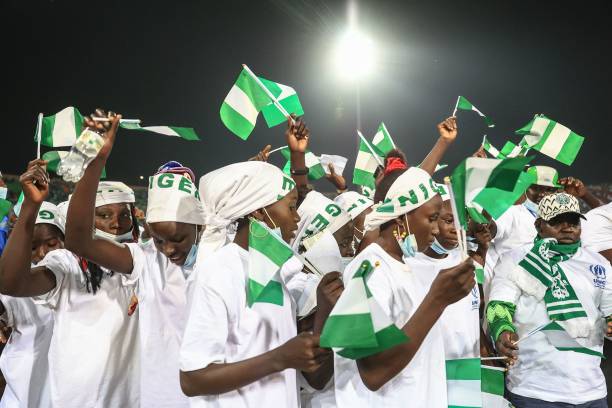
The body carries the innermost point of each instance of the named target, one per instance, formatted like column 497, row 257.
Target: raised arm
column 80, row 220
column 448, row 134
column 577, row 188
column 17, row 278
column 297, row 136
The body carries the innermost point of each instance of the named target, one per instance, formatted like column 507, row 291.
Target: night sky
column 173, row 62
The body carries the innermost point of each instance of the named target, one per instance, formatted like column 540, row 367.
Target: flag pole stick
column 390, row 138
column 460, row 231
column 456, row 105
column 493, row 358
column 39, row 133
column 267, row 91
column 531, row 333
column 135, row 121
column 277, row 149
column 380, row 163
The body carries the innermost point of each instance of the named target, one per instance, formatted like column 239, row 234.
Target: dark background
column 173, row 62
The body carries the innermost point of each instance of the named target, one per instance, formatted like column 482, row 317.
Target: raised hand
column 262, row 155
column 301, row 352
column 506, row 346
column 35, row 181
column 335, row 178
column 108, row 129
column 481, row 153
column 454, row 283
column 448, row 129
column 297, row 135
column 574, row 186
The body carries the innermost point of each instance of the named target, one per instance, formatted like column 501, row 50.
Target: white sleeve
column 60, row 262
column 381, row 289
column 605, row 304
column 502, row 288
column 597, row 232
column 139, row 265
column 504, row 226
column 207, row 329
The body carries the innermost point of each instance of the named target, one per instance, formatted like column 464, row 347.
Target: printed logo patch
column 600, row 275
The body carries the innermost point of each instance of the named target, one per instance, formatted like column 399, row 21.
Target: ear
column 538, row 225
column 258, row 215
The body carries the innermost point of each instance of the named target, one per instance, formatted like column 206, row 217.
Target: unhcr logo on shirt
column 600, row 275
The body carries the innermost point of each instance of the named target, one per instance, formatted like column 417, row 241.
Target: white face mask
column 112, row 237
column 530, row 205
column 3, row 192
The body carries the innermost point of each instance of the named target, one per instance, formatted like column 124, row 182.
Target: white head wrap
column 234, row 191
column 173, row 197
column 50, row 214
column 411, row 190
column 318, row 213
column 113, row 192
column 353, row 203
column 63, row 209
column 443, row 191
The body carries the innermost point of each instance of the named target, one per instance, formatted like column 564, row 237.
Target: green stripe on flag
column 492, row 381
column 264, row 241
column 386, row 338
column 354, row 330
column 271, row 293
column 61, row 129
column 235, row 122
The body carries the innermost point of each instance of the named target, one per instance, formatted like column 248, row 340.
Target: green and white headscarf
column 410, row 191
column 50, row 214
column 353, row 203
column 234, row 191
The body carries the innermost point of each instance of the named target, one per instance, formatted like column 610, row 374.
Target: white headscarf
column 353, row 203
column 234, row 191
column 114, row 192
column 50, row 214
column 318, row 213
column 410, row 191
column 173, row 197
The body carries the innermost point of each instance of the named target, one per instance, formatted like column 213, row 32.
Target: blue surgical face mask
column 193, row 253
column 408, row 246
column 3, row 192
column 438, row 248
column 531, row 206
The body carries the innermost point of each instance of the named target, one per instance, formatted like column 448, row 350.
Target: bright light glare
column 354, row 56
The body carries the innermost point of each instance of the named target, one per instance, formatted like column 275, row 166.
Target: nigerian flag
column 552, row 139
column 489, row 148
column 492, row 386
column 512, row 150
column 382, row 141
column 365, row 165
column 464, row 104
column 357, row 326
column 463, row 383
column 246, row 99
column 182, row 132
column 55, row 157
column 267, row 254
column 476, row 183
column 315, row 168
column 61, row 129
column 562, row 341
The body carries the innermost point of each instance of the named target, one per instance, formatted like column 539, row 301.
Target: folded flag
column 552, row 139
column 489, row 148
column 61, row 129
column 315, row 168
column 267, row 254
column 339, row 163
column 492, row 386
column 463, row 383
column 464, row 104
column 365, row 165
column 512, row 150
column 562, row 341
column 55, row 157
column 247, row 98
column 182, row 132
column 476, row 183
column 357, row 326
column 382, row 141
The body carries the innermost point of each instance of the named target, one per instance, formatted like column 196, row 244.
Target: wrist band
column 298, row 172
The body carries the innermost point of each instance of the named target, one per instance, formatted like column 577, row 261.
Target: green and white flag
column 552, row 139
column 562, row 341
column 489, row 148
column 182, row 132
column 357, row 326
column 267, row 254
column 315, row 168
column 440, row 167
column 55, row 157
column 511, row 150
column 476, row 183
column 492, row 385
column 463, row 383
column 464, row 104
column 17, row 207
column 247, row 98
column 382, row 141
column 61, row 129
column 365, row 165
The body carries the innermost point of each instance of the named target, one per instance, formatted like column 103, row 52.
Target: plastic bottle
column 84, row 150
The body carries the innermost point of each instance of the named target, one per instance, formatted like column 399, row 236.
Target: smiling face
column 174, row 239
column 283, row 214
column 447, row 234
column 565, row 228
column 423, row 222
column 114, row 218
column 46, row 238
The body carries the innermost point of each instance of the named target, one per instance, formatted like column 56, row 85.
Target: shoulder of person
column 594, row 257
column 223, row 268
column 372, row 253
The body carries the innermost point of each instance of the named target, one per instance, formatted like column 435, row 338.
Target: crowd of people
column 103, row 309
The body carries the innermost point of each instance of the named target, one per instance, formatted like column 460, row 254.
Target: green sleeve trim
column 499, row 317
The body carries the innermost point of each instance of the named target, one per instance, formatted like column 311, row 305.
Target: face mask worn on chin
column 408, row 245
column 115, row 238
column 438, row 249
column 193, row 253
column 531, row 206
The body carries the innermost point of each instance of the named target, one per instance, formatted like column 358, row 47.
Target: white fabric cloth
column 94, row 351
column 114, row 192
column 24, row 361
column 221, row 328
column 49, row 213
column 318, row 213
column 543, row 372
column 422, row 383
column 410, row 191
column 162, row 316
column 313, row 398
column 172, row 197
column 234, row 191
column 353, row 203
column 597, row 229
column 460, row 322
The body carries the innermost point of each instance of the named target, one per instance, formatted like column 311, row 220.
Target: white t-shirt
column 460, row 322
column 94, row 353
column 597, row 229
column 24, row 358
column 221, row 328
column 162, row 308
column 543, row 372
column 422, row 383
